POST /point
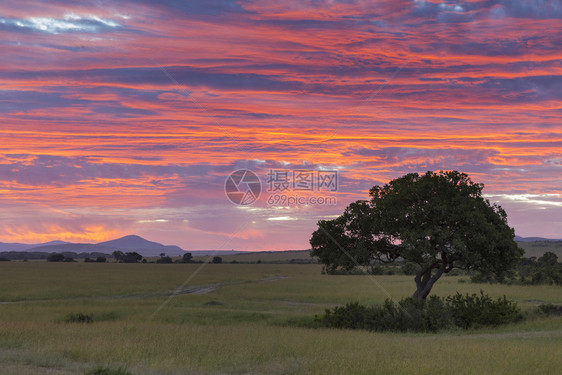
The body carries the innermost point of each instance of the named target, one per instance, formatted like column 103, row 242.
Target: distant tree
column 548, row 259
column 88, row 260
column 55, row 257
column 162, row 255
column 164, row 259
column 118, row 255
column 438, row 221
column 101, row 259
column 217, row 260
column 544, row 270
column 187, row 258
column 132, row 257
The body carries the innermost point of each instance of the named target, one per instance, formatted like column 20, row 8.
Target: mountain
column 533, row 239
column 142, row 246
column 54, row 243
column 125, row 244
column 73, row 248
column 25, row 246
column 131, row 242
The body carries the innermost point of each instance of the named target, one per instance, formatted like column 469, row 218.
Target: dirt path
column 272, row 278
column 206, row 290
column 212, row 288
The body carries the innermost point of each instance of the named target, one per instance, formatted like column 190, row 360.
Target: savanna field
column 240, row 319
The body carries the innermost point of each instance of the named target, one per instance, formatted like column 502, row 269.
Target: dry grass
column 238, row 328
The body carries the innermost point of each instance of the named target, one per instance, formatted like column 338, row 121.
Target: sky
column 128, row 117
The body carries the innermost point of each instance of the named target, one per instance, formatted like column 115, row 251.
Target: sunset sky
column 126, row 117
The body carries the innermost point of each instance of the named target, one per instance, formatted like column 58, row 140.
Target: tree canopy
column 438, row 220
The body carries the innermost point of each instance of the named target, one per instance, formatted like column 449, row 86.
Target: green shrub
column 476, row 311
column 352, row 315
column 431, row 315
column 352, row 271
column 55, row 257
column 108, row 371
column 79, row 318
column 165, row 259
column 550, row 309
column 408, row 315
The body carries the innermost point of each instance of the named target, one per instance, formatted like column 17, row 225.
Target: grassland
column 301, row 256
column 156, row 319
column 532, row 249
column 538, row 248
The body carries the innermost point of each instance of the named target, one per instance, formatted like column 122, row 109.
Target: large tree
column 438, row 220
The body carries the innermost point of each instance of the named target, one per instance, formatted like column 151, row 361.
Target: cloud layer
column 128, row 116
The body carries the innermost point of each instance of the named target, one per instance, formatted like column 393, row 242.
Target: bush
column 165, row 259
column 408, row 315
column 477, row 311
column 430, row 315
column 108, row 371
column 55, row 257
column 352, row 315
column 550, row 309
column 79, row 318
column 101, row 259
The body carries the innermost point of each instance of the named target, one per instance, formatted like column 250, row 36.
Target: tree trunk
column 424, row 281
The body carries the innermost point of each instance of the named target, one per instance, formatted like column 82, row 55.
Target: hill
column 126, row 244
column 74, row 248
column 4, row 246
column 142, row 246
